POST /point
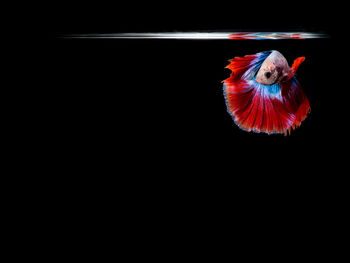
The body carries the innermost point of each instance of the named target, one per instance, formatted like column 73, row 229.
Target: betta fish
column 263, row 95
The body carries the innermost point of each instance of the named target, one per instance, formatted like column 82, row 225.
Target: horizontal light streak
column 205, row 36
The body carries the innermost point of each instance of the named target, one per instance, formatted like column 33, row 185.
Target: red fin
column 253, row 110
column 296, row 101
column 239, row 66
column 295, row 67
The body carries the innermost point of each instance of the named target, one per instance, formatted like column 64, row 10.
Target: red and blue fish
column 262, row 94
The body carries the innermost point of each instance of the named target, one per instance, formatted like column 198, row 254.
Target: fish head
column 274, row 69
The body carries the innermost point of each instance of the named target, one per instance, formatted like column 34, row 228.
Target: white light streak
column 205, row 36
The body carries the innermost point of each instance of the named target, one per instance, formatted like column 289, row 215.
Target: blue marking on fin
column 255, row 65
column 272, row 91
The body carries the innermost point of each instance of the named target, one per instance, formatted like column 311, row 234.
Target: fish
column 262, row 94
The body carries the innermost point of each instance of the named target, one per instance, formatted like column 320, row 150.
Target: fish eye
column 267, row 74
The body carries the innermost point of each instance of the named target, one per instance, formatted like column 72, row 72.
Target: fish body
column 263, row 95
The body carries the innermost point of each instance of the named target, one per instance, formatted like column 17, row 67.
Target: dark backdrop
column 140, row 136
column 161, row 101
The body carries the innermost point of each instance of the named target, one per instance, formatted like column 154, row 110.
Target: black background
column 157, row 102
column 142, row 144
